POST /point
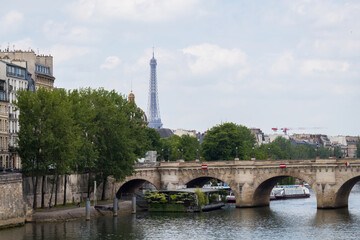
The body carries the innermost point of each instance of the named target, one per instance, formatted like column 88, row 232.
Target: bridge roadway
column 252, row 181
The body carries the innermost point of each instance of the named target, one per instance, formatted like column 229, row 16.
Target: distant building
column 200, row 136
column 13, row 77
column 131, row 97
column 164, row 132
column 4, row 120
column 19, row 70
column 272, row 137
column 259, row 136
column 181, row 132
column 39, row 66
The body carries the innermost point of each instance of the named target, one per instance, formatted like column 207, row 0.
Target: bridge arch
column 264, row 185
column 199, row 179
column 130, row 185
column 202, row 178
column 343, row 189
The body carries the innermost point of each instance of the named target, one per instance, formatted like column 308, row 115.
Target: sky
column 261, row 64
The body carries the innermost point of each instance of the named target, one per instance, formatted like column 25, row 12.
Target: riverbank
column 71, row 213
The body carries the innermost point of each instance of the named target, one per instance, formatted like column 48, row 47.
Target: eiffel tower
column 153, row 102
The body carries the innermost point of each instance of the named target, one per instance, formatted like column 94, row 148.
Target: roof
column 164, row 132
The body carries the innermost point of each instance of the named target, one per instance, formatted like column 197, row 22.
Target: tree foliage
column 176, row 147
column 324, row 152
column 81, row 130
column 221, row 142
column 282, row 148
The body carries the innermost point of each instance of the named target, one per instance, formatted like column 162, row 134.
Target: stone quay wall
column 13, row 208
column 76, row 189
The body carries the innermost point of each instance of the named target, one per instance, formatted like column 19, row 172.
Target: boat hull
column 289, row 197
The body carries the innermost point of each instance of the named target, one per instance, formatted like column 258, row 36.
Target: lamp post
column 162, row 155
column 317, row 150
column 168, row 154
column 268, row 153
column 236, row 153
column 197, row 154
column 253, row 148
column 178, row 154
column 182, row 154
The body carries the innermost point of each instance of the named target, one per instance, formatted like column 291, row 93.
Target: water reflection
column 294, row 219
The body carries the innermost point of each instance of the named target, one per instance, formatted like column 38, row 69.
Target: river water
column 284, row 219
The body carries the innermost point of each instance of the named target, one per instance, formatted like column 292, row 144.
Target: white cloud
column 282, row 64
column 324, row 13
column 10, row 22
column 337, row 47
column 66, row 32
column 110, row 62
column 324, row 66
column 207, row 58
column 65, row 52
column 140, row 10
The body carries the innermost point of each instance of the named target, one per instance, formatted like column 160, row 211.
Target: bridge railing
column 148, row 164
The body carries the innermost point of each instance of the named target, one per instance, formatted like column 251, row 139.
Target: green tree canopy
column 324, row 152
column 81, row 130
column 176, row 147
column 221, row 142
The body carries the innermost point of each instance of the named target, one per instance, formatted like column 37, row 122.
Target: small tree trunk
column 56, row 189
column 89, row 182
column 35, row 193
column 65, row 183
column 52, row 190
column 103, row 191
column 43, row 192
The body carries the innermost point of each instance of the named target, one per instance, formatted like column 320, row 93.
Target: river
column 284, row 219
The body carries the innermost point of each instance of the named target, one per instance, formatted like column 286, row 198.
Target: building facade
column 19, row 70
column 39, row 66
column 4, row 119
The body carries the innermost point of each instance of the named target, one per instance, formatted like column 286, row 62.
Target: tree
column 221, row 142
column 85, row 127
column 64, row 140
column 303, row 152
column 80, row 131
column 171, row 146
column 323, row 152
column 357, row 153
column 32, row 137
column 46, row 140
column 118, row 136
column 189, row 147
column 152, row 140
column 338, row 153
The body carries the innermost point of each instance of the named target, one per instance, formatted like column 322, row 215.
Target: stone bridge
column 251, row 181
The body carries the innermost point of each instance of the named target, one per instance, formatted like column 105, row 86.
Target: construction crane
column 286, row 129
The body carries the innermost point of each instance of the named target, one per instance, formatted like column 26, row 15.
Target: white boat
column 289, row 191
column 231, row 198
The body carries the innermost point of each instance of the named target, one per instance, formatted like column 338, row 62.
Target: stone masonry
column 12, row 206
column 251, row 181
